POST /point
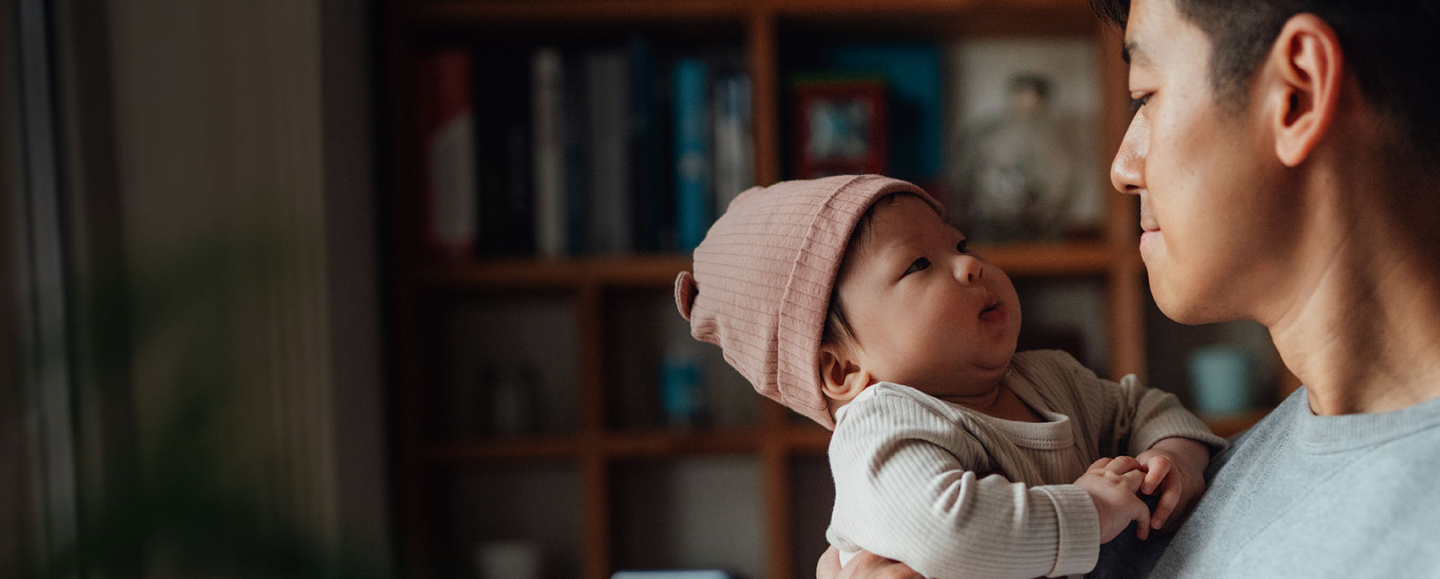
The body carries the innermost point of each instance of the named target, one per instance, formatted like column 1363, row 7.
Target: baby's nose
column 969, row 270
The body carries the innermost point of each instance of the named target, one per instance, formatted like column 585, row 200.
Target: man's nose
column 1127, row 172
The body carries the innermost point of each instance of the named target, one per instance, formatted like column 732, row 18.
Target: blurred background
column 383, row 288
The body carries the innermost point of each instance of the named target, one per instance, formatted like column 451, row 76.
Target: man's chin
column 1191, row 309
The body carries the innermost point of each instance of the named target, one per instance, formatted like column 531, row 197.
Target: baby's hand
column 1112, row 484
column 1176, row 466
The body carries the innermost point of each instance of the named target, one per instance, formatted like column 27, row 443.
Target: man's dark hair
column 1392, row 48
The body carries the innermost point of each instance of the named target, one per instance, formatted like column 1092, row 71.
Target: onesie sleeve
column 911, row 484
column 1131, row 417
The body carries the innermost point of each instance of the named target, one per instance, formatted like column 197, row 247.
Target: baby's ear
column 841, row 376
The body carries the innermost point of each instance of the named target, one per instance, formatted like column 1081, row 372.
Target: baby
column 850, row 300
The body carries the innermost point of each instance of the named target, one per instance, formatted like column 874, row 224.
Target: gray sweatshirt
column 1301, row 495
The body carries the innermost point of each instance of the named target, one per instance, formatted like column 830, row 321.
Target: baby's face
column 924, row 312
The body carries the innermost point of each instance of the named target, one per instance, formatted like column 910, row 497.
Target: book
column 694, row 202
column 734, row 139
column 574, row 113
column 649, row 161
column 448, row 149
column 547, row 116
column 503, row 156
column 609, row 225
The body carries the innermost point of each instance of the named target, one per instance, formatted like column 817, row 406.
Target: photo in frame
column 838, row 126
column 1023, row 160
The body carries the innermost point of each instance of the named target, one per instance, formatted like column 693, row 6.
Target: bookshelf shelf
column 626, row 445
column 562, row 11
column 520, row 273
column 1027, row 260
column 636, row 11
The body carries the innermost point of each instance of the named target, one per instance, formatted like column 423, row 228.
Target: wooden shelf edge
column 588, row 11
column 525, row 273
column 630, row 11
column 625, row 444
column 659, row 271
column 465, row 451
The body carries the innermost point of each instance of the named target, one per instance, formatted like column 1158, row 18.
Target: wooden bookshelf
column 594, row 448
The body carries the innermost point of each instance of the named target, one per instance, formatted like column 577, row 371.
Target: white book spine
column 547, row 111
column 734, row 141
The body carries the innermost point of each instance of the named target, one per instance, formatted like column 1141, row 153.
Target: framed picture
column 839, row 126
column 1023, row 160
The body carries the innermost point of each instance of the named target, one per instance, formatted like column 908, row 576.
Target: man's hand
column 864, row 566
column 1112, row 484
column 1177, row 467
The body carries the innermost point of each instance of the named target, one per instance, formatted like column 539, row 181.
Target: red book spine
column 448, row 146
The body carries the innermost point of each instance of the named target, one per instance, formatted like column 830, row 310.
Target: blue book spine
column 694, row 200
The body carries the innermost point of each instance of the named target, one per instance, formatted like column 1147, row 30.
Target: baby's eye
column 961, row 247
column 919, row 264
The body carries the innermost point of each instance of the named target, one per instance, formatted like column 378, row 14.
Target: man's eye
column 961, row 247
column 1137, row 104
column 919, row 264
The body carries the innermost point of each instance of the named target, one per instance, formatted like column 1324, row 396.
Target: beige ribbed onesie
column 954, row 493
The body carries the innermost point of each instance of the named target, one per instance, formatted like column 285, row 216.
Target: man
column 1287, row 158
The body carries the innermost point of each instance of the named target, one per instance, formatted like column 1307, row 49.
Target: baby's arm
column 908, row 487
column 1150, row 424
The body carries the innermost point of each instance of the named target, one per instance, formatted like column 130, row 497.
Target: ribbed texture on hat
column 763, row 278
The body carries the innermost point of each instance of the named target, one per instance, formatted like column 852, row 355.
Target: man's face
column 1205, row 176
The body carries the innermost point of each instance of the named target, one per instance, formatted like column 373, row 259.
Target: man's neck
column 1362, row 325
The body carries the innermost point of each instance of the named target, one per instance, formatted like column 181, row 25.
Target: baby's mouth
column 991, row 305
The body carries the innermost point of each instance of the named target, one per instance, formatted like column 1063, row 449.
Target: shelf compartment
column 812, row 499
column 644, row 332
column 501, row 367
column 689, row 513
column 536, row 504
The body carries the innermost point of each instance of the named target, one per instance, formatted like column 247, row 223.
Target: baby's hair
column 837, row 328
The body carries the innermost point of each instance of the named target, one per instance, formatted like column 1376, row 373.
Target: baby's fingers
column 1122, row 465
column 1142, row 520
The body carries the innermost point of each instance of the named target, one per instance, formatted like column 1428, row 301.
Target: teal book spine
column 694, row 200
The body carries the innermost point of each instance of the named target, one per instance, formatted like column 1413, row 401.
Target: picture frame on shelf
column 1021, row 164
column 839, row 126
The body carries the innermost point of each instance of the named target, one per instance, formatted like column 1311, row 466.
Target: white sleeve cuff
column 1079, row 544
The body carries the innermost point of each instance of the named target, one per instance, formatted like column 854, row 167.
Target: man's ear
column 841, row 376
column 1306, row 68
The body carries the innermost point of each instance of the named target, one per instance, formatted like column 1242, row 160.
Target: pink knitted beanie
column 763, row 278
